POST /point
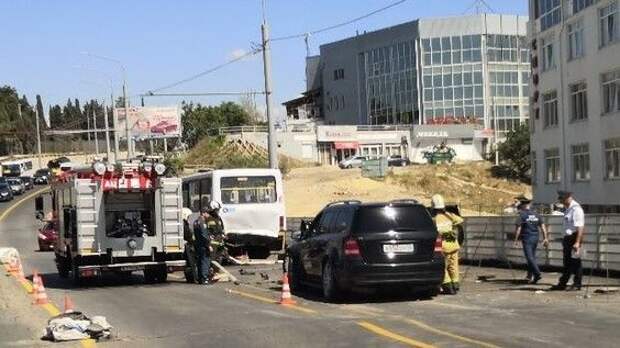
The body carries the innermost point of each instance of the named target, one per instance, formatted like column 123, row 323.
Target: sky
column 43, row 43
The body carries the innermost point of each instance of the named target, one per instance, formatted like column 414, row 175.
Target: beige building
column 575, row 101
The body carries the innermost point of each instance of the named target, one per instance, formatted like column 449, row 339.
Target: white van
column 253, row 210
column 17, row 168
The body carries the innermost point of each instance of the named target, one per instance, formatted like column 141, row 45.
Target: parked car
column 6, row 194
column 398, row 161
column 28, row 182
column 48, row 234
column 353, row 244
column 17, row 186
column 42, row 177
column 352, row 162
column 164, row 127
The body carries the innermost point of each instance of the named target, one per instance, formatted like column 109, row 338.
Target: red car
column 164, row 127
column 48, row 234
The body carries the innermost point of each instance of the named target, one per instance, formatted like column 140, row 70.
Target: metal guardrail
column 304, row 129
column 492, row 238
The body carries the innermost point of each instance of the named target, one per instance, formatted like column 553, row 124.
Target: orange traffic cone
column 36, row 280
column 68, row 304
column 40, row 296
column 286, row 298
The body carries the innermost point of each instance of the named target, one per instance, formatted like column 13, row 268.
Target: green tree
column 515, row 151
column 200, row 121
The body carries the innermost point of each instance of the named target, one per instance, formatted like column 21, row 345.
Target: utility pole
column 272, row 147
column 95, row 128
column 107, row 131
column 39, row 159
column 87, row 127
column 115, row 130
column 127, row 131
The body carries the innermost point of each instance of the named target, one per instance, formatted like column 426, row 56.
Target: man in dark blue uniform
column 529, row 224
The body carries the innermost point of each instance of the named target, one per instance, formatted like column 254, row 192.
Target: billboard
column 150, row 122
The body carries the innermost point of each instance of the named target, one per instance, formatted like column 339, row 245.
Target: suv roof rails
column 408, row 200
column 343, row 202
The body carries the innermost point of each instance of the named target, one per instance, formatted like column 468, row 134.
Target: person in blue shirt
column 529, row 225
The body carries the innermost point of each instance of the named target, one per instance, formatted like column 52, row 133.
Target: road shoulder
column 21, row 323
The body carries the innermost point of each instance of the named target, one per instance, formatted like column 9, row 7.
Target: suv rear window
column 378, row 219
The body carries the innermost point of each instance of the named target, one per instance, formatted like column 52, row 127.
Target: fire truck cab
column 118, row 218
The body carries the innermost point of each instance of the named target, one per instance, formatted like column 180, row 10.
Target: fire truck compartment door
column 88, row 204
column 171, row 221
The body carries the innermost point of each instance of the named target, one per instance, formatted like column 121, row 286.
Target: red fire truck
column 118, row 218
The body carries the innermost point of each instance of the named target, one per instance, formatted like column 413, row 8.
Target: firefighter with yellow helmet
column 447, row 225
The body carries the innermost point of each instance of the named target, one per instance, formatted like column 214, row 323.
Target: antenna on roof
column 480, row 6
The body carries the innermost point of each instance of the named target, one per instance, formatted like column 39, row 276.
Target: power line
column 202, row 94
column 206, row 72
column 335, row 26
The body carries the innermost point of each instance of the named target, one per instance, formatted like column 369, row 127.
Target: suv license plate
column 398, row 248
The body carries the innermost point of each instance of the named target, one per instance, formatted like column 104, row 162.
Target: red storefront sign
column 346, row 145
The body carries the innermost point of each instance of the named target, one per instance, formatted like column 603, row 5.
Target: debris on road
column 606, row 291
column 76, row 326
column 540, row 292
column 222, row 275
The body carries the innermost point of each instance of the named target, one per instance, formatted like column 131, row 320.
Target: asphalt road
column 496, row 313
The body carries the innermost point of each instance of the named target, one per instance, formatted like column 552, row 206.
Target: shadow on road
column 362, row 296
column 54, row 281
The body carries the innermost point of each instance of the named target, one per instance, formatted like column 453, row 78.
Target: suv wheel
column 330, row 286
column 349, row 166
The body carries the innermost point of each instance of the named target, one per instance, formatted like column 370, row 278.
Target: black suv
column 351, row 244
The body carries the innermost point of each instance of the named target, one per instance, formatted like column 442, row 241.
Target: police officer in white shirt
column 574, row 228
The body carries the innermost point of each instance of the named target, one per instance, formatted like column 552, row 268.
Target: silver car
column 352, row 162
column 17, row 185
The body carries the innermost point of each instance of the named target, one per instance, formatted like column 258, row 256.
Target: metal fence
column 492, row 238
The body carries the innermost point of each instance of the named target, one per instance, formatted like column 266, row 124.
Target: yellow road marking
column 393, row 336
column 427, row 327
column 88, row 343
column 51, row 309
column 271, row 301
column 18, row 203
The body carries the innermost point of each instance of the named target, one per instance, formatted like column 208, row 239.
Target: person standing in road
column 574, row 229
column 202, row 243
column 529, row 224
column 447, row 224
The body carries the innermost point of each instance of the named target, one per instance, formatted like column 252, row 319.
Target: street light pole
column 107, row 130
column 271, row 143
column 40, row 160
column 125, row 100
column 95, row 128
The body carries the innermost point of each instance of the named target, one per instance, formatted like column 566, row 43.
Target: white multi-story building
column 575, row 106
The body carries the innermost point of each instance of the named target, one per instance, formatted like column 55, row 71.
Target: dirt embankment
column 470, row 185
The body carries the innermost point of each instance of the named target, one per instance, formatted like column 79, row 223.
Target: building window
column 550, row 13
column 534, row 170
column 580, row 155
column 579, row 5
column 609, row 26
column 611, row 92
column 575, row 41
column 552, row 165
column 578, row 102
column 612, row 158
column 550, row 109
column 548, row 54
column 338, row 74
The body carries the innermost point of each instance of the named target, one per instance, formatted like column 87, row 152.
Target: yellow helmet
column 437, row 202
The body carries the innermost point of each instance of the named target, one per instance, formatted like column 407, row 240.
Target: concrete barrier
column 492, row 238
